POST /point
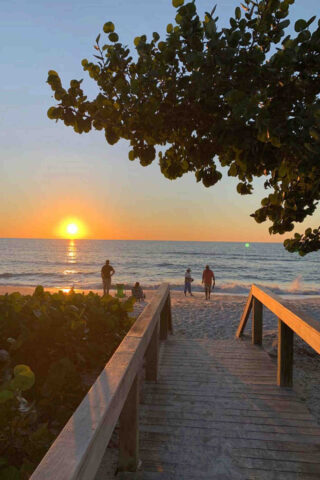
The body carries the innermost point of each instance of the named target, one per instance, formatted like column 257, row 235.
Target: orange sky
column 132, row 203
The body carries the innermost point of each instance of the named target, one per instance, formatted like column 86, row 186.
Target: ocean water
column 67, row 263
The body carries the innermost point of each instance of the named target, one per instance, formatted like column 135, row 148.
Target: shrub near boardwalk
column 52, row 346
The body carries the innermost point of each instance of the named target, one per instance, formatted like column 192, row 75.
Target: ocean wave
column 58, row 263
column 164, row 265
column 63, row 274
column 224, row 288
column 12, row 275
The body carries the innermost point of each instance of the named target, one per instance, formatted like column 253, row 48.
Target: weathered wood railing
column 77, row 452
column 290, row 321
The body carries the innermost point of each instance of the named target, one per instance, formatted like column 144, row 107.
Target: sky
column 49, row 175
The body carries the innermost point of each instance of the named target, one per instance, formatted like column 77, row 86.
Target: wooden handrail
column 77, row 452
column 290, row 321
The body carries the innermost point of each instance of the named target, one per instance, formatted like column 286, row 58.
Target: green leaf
column 23, row 378
column 51, row 113
column 177, row 3
column 233, row 170
column 108, row 27
column 300, row 25
column 53, row 72
column 98, row 38
column 136, row 41
column 169, row 28
column 284, row 24
column 233, row 23
column 312, row 19
column 238, row 13
column 111, row 136
column 131, row 155
column 113, row 37
column 6, row 395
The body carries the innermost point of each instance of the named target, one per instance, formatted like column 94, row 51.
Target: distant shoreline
column 28, row 290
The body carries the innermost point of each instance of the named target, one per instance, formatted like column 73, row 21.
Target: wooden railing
column 290, row 321
column 78, row 450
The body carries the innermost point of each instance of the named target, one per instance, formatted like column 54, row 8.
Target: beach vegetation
column 244, row 97
column 52, row 347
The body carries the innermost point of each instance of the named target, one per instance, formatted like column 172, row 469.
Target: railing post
column 285, row 355
column 169, row 313
column 257, row 322
column 129, row 431
column 164, row 321
column 152, row 356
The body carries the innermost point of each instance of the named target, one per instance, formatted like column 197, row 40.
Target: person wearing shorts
column 208, row 280
column 187, row 282
column 106, row 273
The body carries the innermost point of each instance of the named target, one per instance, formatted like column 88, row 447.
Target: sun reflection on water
column 72, row 252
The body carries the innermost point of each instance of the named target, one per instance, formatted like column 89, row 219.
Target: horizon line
column 138, row 240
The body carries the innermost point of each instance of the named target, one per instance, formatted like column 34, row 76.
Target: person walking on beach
column 187, row 282
column 208, row 280
column 106, row 273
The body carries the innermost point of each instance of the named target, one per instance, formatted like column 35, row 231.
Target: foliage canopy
column 246, row 96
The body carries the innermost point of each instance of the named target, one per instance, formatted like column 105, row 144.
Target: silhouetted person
column 137, row 292
column 187, row 282
column 106, row 273
column 208, row 280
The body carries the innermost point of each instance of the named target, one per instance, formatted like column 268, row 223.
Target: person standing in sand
column 106, row 273
column 208, row 280
column 187, row 282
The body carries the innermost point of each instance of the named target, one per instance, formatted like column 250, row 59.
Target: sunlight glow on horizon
column 72, row 229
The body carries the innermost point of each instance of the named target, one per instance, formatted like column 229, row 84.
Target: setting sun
column 72, row 228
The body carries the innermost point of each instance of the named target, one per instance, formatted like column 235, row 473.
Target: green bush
column 52, row 347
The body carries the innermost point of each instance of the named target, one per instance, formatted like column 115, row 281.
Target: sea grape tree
column 245, row 97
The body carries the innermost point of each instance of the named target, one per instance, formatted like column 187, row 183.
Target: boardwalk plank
column 216, row 413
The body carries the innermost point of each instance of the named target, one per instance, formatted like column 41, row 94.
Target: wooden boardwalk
column 214, row 410
column 217, row 413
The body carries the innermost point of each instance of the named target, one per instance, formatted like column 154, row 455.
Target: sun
column 72, row 228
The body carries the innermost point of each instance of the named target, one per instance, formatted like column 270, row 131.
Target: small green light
column 247, row 245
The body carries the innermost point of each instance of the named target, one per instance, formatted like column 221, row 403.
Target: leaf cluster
column 57, row 343
column 245, row 96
